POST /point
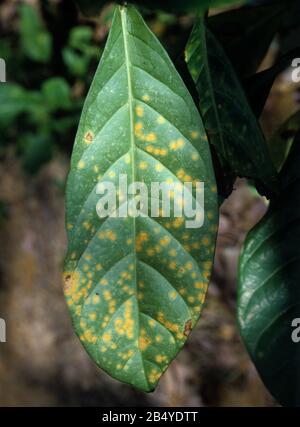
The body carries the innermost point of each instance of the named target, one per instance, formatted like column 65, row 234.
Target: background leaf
column 230, row 123
column 13, row 102
column 80, row 51
column 269, row 292
column 36, row 41
column 135, row 287
column 57, row 94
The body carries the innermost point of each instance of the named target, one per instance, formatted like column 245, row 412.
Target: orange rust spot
column 88, row 137
column 71, row 281
column 187, row 328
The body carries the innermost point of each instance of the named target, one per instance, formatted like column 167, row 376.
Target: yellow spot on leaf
column 151, row 137
column 143, row 165
column 92, row 316
column 172, row 295
column 81, row 164
column 106, row 337
column 96, row 299
column 139, row 111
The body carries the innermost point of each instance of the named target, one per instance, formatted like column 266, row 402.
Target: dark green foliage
column 229, row 121
column 38, row 111
column 269, row 297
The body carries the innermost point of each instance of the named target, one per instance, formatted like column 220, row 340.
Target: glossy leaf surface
column 269, row 292
column 230, row 123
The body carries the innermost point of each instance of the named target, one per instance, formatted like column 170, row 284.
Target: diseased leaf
column 229, row 121
column 281, row 142
column 135, row 286
column 92, row 7
column 246, row 34
column 269, row 292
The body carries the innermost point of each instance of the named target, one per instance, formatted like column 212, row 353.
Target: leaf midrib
column 131, row 116
column 123, row 10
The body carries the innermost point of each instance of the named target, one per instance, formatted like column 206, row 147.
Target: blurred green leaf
column 35, row 40
column 56, row 94
column 13, row 102
column 77, row 64
column 80, row 38
column 269, row 291
column 80, row 51
column 230, row 123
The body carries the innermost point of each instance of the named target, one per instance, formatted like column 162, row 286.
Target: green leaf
column 77, row 64
column 80, row 51
column 36, row 41
column 246, row 34
column 80, row 38
column 269, row 292
column 135, row 286
column 281, row 142
column 93, row 7
column 228, row 119
column 13, row 102
column 56, row 94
